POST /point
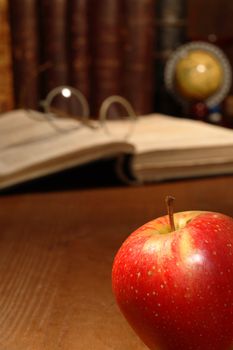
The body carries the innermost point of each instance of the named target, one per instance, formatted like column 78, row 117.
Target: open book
column 160, row 147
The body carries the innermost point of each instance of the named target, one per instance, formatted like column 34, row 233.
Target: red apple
column 175, row 288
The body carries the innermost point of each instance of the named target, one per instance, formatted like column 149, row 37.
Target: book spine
column 171, row 23
column 53, row 14
column 171, row 32
column 79, row 45
column 6, row 82
column 139, row 37
column 24, row 36
column 106, row 50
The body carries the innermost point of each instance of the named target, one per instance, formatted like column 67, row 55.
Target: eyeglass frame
column 85, row 118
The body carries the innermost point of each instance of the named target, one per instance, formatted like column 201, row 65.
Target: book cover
column 6, row 82
column 25, row 44
column 139, row 38
column 171, row 32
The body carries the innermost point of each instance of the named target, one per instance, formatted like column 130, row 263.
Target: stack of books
column 102, row 48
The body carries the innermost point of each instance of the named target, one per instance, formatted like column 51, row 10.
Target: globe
column 198, row 75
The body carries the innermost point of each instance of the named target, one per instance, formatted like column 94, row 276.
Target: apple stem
column 170, row 210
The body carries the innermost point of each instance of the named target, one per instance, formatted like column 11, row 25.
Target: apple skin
column 176, row 288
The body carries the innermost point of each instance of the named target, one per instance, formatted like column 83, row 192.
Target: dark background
column 212, row 17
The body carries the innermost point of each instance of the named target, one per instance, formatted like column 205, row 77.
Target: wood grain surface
column 56, row 253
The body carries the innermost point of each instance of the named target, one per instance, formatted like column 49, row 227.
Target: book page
column 169, row 143
column 158, row 132
column 29, row 141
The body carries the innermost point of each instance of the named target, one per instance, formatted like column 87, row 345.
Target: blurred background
column 106, row 47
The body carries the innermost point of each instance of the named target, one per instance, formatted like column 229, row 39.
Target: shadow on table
column 97, row 174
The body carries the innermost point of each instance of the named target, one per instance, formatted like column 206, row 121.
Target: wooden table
column 56, row 253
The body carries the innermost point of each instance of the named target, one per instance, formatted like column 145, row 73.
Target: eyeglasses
column 65, row 102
